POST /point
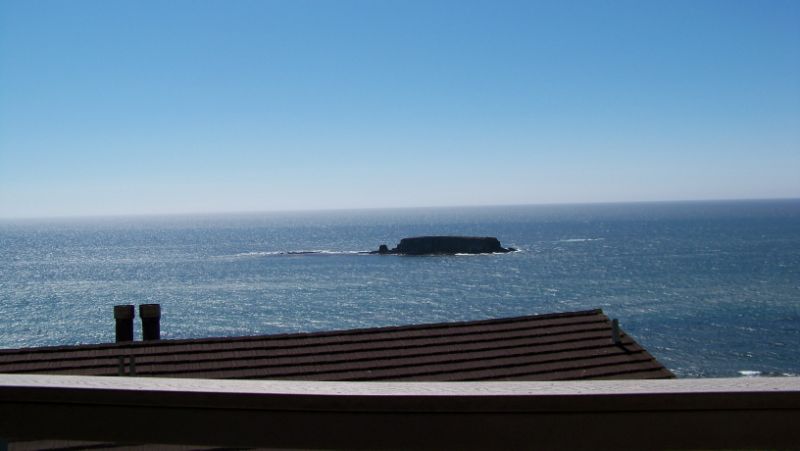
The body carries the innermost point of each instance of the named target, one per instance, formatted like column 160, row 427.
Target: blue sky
column 138, row 107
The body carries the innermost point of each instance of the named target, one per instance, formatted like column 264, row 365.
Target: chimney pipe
column 124, row 314
column 615, row 332
column 151, row 321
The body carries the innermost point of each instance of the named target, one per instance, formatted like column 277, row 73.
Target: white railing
column 682, row 413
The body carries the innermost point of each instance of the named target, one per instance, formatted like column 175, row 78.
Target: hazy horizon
column 380, row 209
column 152, row 108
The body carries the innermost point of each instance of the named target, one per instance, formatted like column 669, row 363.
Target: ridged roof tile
column 560, row 346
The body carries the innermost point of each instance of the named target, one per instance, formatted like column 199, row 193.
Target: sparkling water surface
column 710, row 288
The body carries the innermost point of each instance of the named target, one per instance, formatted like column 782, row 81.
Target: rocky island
column 445, row 245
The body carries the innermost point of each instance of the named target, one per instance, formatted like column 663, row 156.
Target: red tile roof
column 561, row 346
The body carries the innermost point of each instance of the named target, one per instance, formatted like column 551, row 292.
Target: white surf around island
column 328, row 252
column 296, row 253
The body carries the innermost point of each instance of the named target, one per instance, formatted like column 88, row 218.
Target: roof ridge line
column 290, row 335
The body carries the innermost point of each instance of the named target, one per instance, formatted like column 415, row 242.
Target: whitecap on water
column 749, row 373
column 258, row 254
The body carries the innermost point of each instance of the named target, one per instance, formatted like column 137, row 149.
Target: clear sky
column 117, row 107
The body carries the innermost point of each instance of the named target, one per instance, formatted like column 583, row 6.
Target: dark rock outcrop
column 431, row 245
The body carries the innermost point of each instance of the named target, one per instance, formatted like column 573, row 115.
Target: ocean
column 712, row 289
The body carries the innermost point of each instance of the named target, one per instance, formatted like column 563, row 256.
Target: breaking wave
column 754, row 373
column 298, row 252
column 466, row 254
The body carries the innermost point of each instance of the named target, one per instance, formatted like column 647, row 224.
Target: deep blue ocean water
column 710, row 288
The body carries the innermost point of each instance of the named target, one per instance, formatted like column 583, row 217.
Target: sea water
column 710, row 288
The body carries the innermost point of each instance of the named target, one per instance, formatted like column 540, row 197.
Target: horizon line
column 367, row 209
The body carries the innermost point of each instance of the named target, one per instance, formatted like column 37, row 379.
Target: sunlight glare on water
column 711, row 289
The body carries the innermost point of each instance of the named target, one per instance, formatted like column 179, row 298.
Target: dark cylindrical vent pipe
column 124, row 315
column 151, row 321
